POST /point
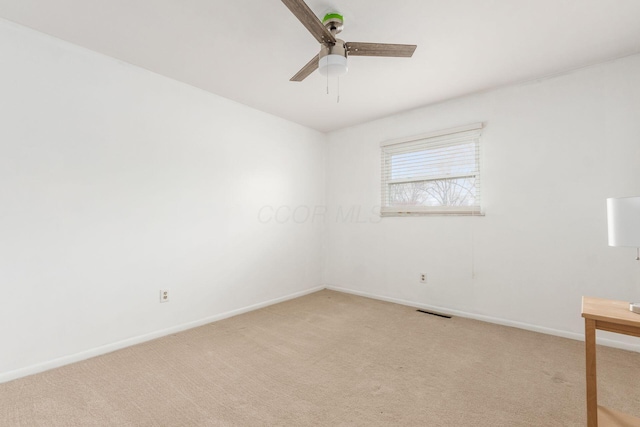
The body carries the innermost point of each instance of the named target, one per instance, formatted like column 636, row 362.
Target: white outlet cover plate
column 164, row 295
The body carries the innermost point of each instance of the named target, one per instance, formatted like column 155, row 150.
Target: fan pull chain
column 338, row 87
column 327, row 83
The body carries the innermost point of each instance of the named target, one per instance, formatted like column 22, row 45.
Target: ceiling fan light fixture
column 332, row 65
column 332, row 59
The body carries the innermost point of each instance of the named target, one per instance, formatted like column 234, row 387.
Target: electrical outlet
column 164, row 295
column 423, row 278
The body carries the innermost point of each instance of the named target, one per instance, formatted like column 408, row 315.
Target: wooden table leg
column 592, row 392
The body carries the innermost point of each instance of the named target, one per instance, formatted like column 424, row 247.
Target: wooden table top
column 609, row 310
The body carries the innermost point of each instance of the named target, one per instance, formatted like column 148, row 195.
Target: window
column 438, row 173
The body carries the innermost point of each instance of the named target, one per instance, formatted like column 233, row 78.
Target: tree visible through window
column 435, row 174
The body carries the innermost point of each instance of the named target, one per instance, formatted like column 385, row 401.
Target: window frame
column 387, row 150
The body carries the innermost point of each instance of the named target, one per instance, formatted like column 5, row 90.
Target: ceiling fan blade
column 306, row 70
column 380, row 49
column 304, row 14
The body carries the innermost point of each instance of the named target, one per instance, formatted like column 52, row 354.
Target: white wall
column 554, row 150
column 116, row 182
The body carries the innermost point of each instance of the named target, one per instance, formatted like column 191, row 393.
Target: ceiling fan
column 332, row 59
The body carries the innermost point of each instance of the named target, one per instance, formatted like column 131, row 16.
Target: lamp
column 333, row 59
column 623, row 221
column 332, row 65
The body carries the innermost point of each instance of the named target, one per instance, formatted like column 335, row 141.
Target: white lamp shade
column 333, row 65
column 623, row 220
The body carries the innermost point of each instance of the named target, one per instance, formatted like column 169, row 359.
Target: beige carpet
column 329, row 359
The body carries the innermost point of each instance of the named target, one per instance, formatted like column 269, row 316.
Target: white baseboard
column 87, row 354
column 489, row 319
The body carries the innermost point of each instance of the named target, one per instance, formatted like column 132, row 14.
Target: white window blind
column 438, row 173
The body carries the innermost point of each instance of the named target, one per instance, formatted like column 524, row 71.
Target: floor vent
column 434, row 314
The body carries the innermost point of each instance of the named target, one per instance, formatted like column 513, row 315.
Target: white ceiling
column 247, row 50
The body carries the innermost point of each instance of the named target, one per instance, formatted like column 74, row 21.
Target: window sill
column 432, row 213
